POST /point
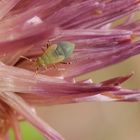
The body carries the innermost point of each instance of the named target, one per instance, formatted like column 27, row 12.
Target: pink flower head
column 27, row 26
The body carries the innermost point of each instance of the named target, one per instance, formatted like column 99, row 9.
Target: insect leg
column 43, row 49
column 45, row 67
column 46, row 46
column 55, row 67
column 26, row 58
column 36, row 71
column 66, row 62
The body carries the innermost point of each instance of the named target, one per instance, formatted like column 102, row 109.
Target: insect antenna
column 46, row 46
column 32, row 61
column 26, row 58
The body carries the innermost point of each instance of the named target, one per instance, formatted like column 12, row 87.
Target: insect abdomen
column 65, row 48
column 49, row 58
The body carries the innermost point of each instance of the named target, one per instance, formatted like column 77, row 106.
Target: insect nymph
column 55, row 53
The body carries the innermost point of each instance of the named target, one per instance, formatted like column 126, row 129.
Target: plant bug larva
column 55, row 53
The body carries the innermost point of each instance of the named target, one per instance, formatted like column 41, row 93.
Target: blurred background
column 95, row 120
column 100, row 120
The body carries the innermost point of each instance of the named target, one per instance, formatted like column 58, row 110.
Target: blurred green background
column 95, row 120
column 28, row 132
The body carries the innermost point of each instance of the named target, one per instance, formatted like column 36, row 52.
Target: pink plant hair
column 25, row 26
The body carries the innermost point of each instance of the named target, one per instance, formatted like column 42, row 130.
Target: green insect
column 53, row 54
